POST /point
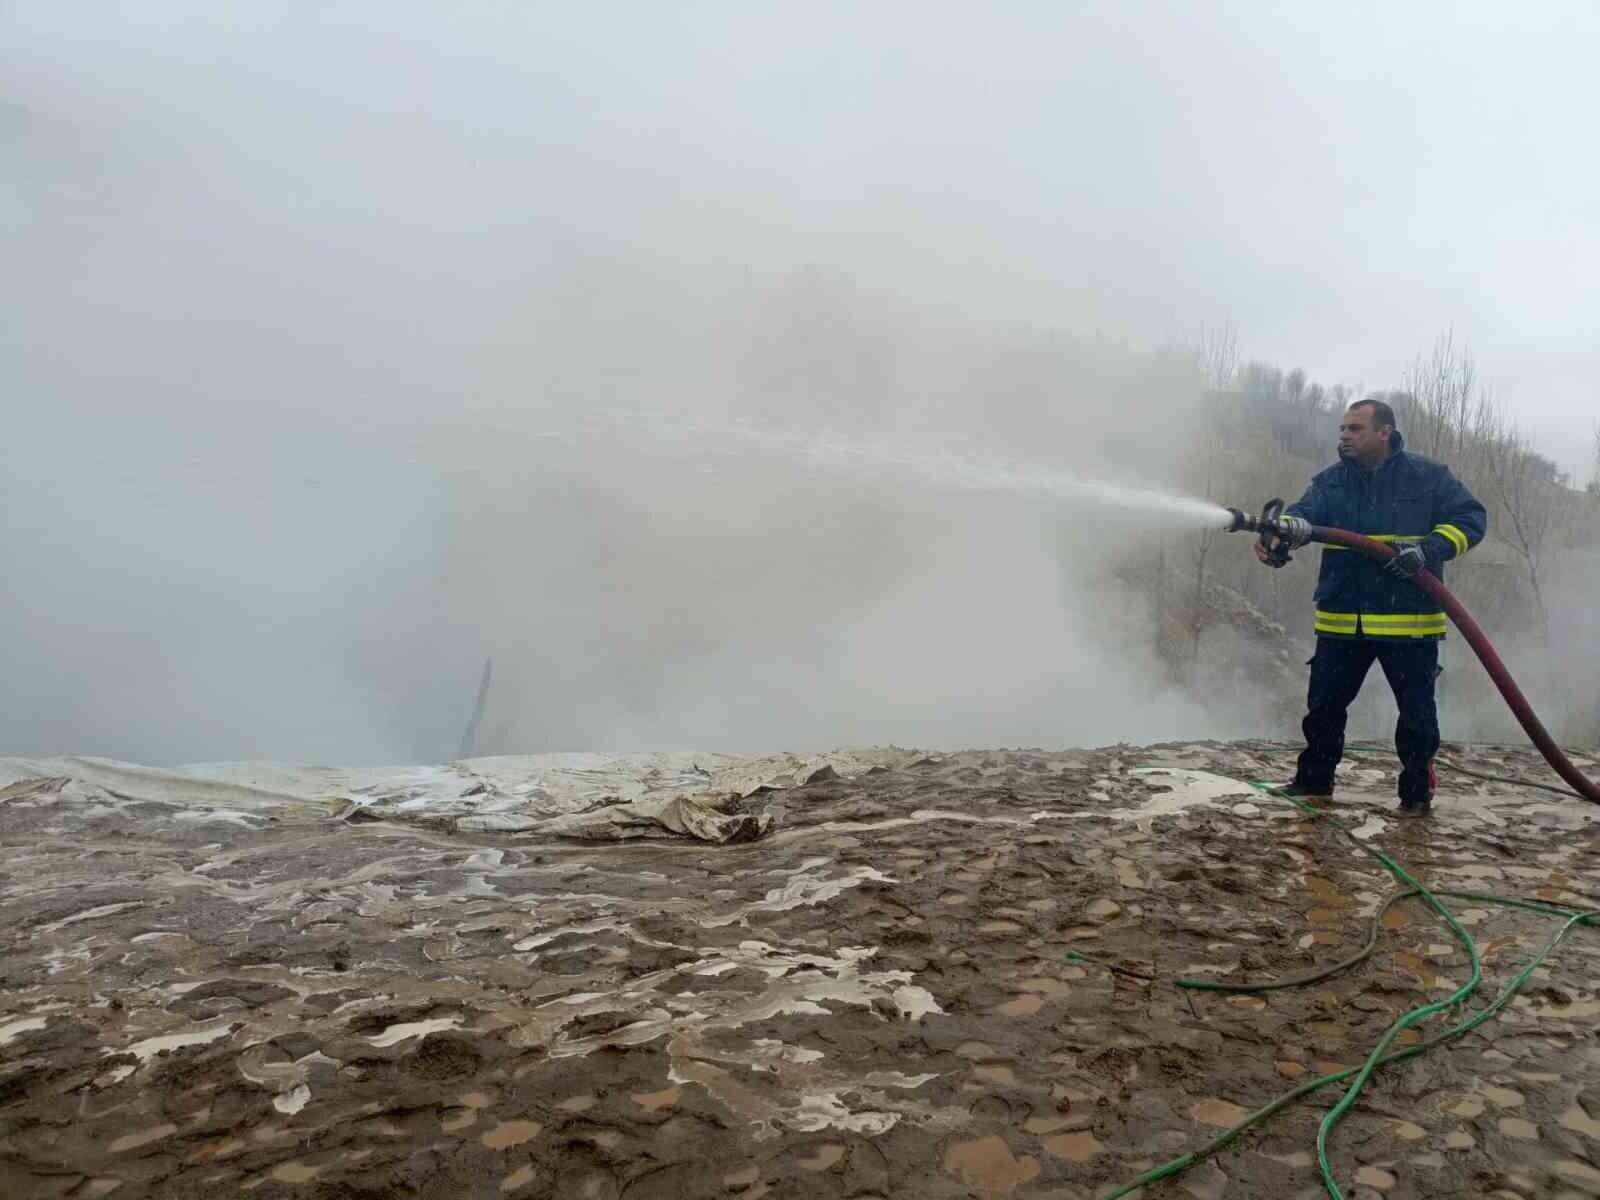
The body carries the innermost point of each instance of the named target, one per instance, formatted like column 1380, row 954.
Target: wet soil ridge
column 870, row 999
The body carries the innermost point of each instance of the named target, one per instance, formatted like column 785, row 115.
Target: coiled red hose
column 1429, row 583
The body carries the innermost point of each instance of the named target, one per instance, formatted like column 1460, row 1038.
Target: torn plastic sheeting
column 187, row 787
column 710, row 818
column 599, row 797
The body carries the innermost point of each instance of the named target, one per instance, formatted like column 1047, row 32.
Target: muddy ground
column 873, row 1000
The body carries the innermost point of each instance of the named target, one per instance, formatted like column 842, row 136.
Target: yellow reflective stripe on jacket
column 1417, row 631
column 1455, row 537
column 1387, row 537
column 1381, row 624
column 1378, row 623
column 1335, row 622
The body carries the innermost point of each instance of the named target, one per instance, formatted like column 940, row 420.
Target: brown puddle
column 654, row 1101
column 1219, row 1114
column 1074, row 1147
column 988, row 1164
column 995, row 1073
column 511, row 1133
column 1021, row 1006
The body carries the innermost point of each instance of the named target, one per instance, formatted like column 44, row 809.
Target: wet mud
column 875, row 999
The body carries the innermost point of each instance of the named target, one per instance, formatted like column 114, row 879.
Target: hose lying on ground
column 1380, row 1055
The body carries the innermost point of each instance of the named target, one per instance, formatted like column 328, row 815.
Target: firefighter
column 1366, row 611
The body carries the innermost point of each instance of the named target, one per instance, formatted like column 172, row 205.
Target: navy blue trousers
column 1338, row 669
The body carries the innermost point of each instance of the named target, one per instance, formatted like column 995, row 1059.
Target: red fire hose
column 1473, row 632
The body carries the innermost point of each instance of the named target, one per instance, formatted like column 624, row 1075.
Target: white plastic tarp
column 606, row 797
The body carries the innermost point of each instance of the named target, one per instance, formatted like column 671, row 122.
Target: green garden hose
column 1380, row 1055
column 1178, row 1165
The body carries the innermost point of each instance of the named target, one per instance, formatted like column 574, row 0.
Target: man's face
column 1360, row 438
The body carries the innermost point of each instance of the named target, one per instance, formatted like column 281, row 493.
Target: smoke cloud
column 647, row 354
column 818, row 517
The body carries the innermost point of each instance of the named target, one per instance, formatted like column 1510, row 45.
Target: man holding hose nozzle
column 1367, row 611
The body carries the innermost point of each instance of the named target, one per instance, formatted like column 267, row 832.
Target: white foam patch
column 147, row 1049
column 91, row 914
column 802, row 891
column 895, row 1079
column 576, row 999
column 818, row 1106
column 224, row 816
column 410, row 1029
column 293, row 1101
column 1370, row 828
column 774, row 1049
column 810, row 864
column 915, row 1003
column 16, row 1029
column 822, row 1110
column 1189, row 789
column 797, row 984
column 288, row 1079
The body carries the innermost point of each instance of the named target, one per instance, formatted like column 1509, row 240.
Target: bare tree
column 1525, row 493
column 1219, row 356
column 1523, row 487
column 1444, row 412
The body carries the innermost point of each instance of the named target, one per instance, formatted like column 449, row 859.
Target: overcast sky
column 1340, row 186
column 250, row 249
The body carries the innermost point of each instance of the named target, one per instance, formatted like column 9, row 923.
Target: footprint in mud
column 991, row 1108
column 511, row 1133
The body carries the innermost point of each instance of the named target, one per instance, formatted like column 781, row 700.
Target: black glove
column 1406, row 563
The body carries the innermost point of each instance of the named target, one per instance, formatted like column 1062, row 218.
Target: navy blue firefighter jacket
column 1408, row 498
